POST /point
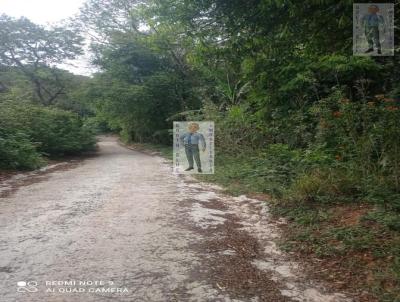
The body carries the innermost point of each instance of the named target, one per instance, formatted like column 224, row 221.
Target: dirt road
column 120, row 226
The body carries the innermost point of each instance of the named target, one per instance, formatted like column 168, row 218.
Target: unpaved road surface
column 120, row 226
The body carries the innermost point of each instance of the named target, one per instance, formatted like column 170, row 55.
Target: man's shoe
column 369, row 50
column 190, row 168
column 200, row 170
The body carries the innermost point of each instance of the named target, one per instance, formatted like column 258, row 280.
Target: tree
column 145, row 76
column 35, row 51
column 101, row 18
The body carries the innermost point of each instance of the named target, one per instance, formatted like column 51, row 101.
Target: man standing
column 191, row 142
column 372, row 22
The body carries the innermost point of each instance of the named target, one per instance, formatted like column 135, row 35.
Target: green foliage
column 311, row 121
column 17, row 151
column 33, row 50
column 386, row 218
column 326, row 186
column 235, row 132
column 96, row 125
column 28, row 55
column 28, row 131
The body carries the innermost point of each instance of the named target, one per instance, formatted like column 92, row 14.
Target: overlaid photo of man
column 194, row 147
column 373, row 29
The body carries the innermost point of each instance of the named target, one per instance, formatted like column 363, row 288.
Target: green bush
column 28, row 131
column 235, row 132
column 363, row 138
column 17, row 151
column 55, row 132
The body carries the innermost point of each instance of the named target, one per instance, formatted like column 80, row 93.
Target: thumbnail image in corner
column 373, row 29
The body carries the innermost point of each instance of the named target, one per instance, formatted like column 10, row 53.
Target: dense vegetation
column 29, row 131
column 40, row 112
column 283, row 88
column 298, row 117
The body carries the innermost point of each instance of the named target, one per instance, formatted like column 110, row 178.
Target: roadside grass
column 353, row 245
column 352, row 253
column 245, row 174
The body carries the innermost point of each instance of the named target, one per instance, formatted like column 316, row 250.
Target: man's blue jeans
column 192, row 151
